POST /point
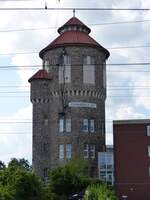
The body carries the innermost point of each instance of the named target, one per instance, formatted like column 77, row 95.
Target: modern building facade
column 132, row 159
column 106, row 165
column 68, row 97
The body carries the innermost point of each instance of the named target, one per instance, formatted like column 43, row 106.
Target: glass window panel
column 85, row 125
column 67, row 60
column 61, row 151
column 92, row 151
column 92, row 129
column 89, row 74
column 68, row 125
column 86, row 151
column 67, row 74
column 61, row 125
column 61, row 74
column 68, row 151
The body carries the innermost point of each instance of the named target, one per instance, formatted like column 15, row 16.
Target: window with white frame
column 148, row 130
column 61, row 125
column 67, row 60
column 65, row 70
column 88, row 60
column 92, row 151
column 64, row 125
column 91, row 126
column 61, row 151
column 86, row 151
column 89, row 151
column 68, row 151
column 85, row 125
column 88, row 125
column 148, row 151
column 88, row 70
column 89, row 74
column 65, row 74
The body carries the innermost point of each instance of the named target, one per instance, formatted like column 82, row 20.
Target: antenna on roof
column 74, row 12
column 45, row 5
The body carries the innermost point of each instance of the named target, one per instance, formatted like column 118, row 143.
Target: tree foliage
column 99, row 192
column 70, row 178
column 18, row 183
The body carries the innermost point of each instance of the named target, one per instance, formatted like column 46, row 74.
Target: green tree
column 19, row 163
column 2, row 165
column 20, row 183
column 6, row 194
column 69, row 179
column 99, row 192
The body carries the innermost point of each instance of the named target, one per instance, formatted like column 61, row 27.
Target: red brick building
column 132, row 159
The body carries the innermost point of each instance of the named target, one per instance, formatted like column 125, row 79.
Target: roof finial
column 45, row 4
column 74, row 11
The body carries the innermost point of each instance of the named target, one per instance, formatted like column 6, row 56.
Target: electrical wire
column 71, row 8
column 108, row 64
column 90, row 24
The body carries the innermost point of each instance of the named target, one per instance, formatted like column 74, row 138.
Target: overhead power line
column 109, row 48
column 108, row 64
column 96, row 24
column 71, row 8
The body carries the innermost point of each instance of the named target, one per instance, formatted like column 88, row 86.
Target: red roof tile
column 75, row 37
column 70, row 38
column 74, row 21
column 41, row 74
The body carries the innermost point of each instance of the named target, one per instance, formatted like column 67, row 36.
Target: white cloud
column 16, row 137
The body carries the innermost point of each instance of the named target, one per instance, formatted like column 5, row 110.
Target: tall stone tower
column 68, row 97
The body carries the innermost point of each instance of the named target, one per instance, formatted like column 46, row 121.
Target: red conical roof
column 74, row 22
column 41, row 74
column 74, row 32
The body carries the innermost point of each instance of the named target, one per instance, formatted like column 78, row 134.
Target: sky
column 30, row 31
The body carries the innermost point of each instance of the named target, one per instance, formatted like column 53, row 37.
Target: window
column 89, row 74
column 65, row 70
column 64, row 74
column 61, row 151
column 148, row 130
column 88, row 70
column 67, row 60
column 148, row 151
column 92, row 151
column 85, row 125
column 86, row 151
column 61, row 125
column 88, row 125
column 88, row 60
column 68, row 151
column 64, row 125
column 91, row 125
column 89, row 151
column 68, row 125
